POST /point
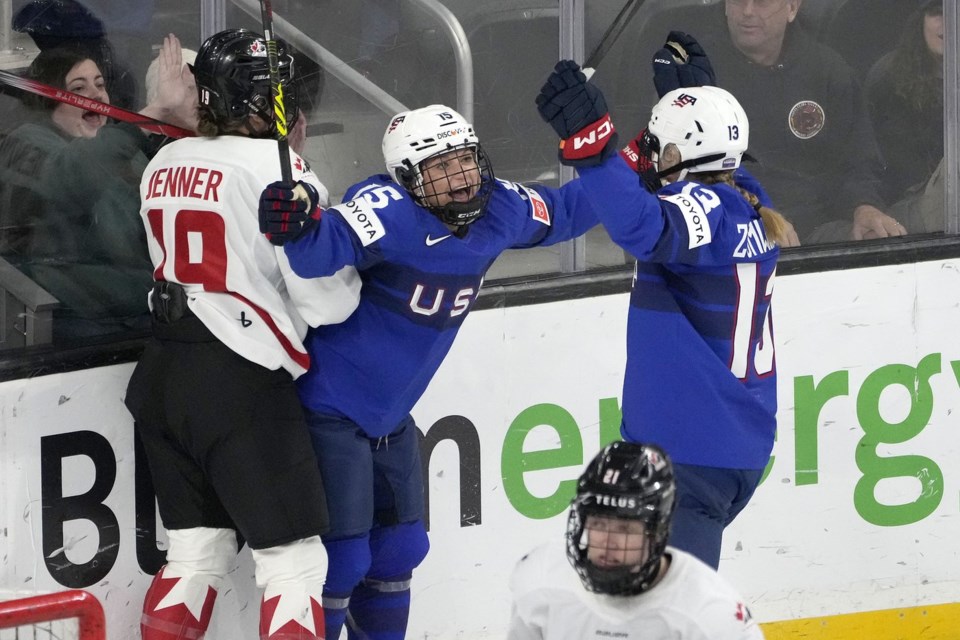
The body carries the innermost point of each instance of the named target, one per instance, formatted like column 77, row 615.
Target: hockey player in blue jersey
column 700, row 379
column 682, row 62
column 422, row 238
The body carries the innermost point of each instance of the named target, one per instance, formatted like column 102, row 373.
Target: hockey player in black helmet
column 628, row 489
column 233, row 80
column 213, row 395
column 630, row 581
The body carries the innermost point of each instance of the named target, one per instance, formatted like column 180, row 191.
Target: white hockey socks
column 292, row 577
column 179, row 602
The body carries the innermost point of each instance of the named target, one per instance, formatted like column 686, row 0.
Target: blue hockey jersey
column 419, row 283
column 701, row 375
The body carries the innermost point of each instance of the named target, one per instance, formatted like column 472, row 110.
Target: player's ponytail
column 774, row 223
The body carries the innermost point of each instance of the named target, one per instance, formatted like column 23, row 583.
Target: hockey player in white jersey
column 631, row 584
column 213, row 395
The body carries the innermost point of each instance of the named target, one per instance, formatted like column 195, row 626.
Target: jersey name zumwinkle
column 703, row 286
column 419, row 282
column 691, row 602
column 199, row 203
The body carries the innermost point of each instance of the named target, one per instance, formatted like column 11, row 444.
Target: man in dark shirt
column 810, row 130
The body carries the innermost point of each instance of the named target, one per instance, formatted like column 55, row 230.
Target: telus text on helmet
column 619, row 502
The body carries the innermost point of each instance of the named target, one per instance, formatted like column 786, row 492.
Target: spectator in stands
column 55, row 23
column 151, row 81
column 905, row 96
column 811, row 130
column 70, row 192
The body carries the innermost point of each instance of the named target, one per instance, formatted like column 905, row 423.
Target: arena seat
column 863, row 30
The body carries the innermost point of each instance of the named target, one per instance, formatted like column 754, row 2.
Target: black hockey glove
column 578, row 112
column 288, row 211
column 681, row 62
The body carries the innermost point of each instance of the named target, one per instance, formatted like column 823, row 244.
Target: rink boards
column 859, row 512
column 937, row 622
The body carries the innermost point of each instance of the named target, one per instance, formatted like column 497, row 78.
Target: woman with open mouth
column 69, row 191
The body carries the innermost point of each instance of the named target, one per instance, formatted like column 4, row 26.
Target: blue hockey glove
column 578, row 112
column 681, row 62
column 288, row 211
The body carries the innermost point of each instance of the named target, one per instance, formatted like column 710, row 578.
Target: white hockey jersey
column 199, row 199
column 691, row 602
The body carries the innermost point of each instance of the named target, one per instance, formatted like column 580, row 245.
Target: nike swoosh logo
column 433, row 241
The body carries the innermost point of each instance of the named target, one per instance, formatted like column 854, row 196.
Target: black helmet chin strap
column 652, row 180
column 687, row 164
column 459, row 214
column 263, row 110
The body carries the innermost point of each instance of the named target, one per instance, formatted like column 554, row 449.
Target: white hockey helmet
column 414, row 136
column 707, row 124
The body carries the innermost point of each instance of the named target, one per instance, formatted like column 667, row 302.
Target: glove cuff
column 631, row 155
column 609, row 149
column 589, row 141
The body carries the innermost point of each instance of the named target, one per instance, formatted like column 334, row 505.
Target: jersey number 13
column 744, row 328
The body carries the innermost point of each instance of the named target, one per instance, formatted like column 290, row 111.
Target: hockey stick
column 610, row 37
column 89, row 104
column 276, row 90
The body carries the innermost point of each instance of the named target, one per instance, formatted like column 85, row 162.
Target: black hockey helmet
column 624, row 482
column 233, row 78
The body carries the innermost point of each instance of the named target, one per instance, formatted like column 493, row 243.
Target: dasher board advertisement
column 859, row 509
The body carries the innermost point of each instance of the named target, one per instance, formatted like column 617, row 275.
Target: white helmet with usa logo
column 707, row 124
column 413, row 137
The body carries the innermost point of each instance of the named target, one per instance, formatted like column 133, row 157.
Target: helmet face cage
column 708, row 126
column 648, row 147
column 624, row 485
column 416, row 143
column 233, row 78
column 444, row 179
